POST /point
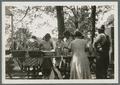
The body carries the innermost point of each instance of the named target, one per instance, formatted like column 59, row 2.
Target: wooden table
column 30, row 60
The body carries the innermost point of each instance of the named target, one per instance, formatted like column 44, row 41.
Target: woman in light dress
column 79, row 63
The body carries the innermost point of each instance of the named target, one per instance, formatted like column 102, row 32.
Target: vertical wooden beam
column 60, row 19
column 93, row 15
column 12, row 32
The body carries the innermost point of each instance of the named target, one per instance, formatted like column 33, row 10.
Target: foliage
column 75, row 17
column 22, row 36
column 78, row 17
column 101, row 11
column 24, row 18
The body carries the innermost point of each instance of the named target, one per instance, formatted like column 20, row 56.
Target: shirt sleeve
column 70, row 46
column 41, row 45
column 51, row 43
column 98, row 39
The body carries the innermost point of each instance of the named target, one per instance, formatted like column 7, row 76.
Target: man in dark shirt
column 102, row 46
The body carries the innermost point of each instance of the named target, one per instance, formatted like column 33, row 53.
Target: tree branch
column 72, row 9
column 26, row 12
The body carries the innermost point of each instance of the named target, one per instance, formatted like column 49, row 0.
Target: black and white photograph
column 59, row 42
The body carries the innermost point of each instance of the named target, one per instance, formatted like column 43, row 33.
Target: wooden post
column 76, row 17
column 12, row 32
column 60, row 19
column 112, row 37
column 93, row 15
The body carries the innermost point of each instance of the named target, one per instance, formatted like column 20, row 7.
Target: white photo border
column 22, row 81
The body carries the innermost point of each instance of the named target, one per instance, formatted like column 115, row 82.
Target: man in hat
column 102, row 46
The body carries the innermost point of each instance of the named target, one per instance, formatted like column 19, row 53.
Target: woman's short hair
column 66, row 33
column 34, row 37
column 78, row 34
column 47, row 36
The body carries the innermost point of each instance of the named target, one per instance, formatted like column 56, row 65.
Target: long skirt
column 80, row 68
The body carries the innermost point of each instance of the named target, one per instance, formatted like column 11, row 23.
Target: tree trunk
column 76, row 20
column 60, row 18
column 93, row 14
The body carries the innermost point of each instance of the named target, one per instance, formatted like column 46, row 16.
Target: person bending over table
column 46, row 45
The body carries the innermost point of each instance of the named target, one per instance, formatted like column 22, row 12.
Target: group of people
column 79, row 48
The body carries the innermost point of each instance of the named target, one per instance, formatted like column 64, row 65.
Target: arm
column 97, row 40
column 70, row 47
column 41, row 46
column 52, row 47
column 86, row 47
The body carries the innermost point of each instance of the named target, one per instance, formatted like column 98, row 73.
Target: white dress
column 79, row 63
